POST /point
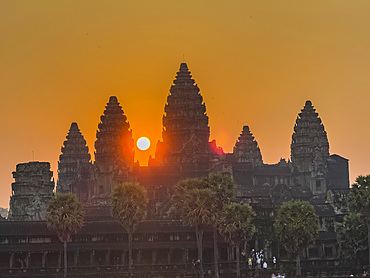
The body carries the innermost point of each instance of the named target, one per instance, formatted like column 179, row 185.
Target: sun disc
column 143, row 143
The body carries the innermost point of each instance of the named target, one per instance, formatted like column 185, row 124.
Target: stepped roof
column 114, row 136
column 246, row 148
column 185, row 123
column 309, row 136
column 75, row 145
column 74, row 161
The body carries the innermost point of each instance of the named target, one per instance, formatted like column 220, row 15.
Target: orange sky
column 256, row 63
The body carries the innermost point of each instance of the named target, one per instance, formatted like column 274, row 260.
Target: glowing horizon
column 256, row 63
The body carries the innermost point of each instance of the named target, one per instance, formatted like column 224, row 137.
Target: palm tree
column 236, row 226
column 296, row 227
column 129, row 207
column 352, row 238
column 359, row 202
column 65, row 216
column 196, row 208
column 224, row 188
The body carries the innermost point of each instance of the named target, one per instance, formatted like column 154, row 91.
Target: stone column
column 107, row 257
column 185, row 256
column 92, row 255
column 230, row 253
column 75, row 257
column 322, row 250
column 269, row 249
column 59, row 259
column 169, row 256
column 11, row 257
column 138, row 256
column 28, row 259
column 43, row 259
column 154, row 256
column 123, row 254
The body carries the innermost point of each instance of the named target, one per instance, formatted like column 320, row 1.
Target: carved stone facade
column 31, row 191
column 74, row 167
column 186, row 131
column 310, row 150
column 114, row 150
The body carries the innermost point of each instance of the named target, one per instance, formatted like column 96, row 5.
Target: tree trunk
column 298, row 265
column 215, row 251
column 368, row 239
column 237, row 251
column 130, row 254
column 65, row 258
column 199, row 235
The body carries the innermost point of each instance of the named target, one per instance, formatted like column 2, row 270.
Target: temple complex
column 162, row 243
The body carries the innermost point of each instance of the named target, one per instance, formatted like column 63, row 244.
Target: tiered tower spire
column 186, row 131
column 114, row 145
column 74, row 164
column 310, row 149
column 246, row 148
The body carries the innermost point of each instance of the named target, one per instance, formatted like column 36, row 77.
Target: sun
column 143, row 143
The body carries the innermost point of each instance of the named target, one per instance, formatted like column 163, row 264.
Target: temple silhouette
column 162, row 243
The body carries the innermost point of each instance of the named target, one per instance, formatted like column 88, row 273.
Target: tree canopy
column 358, row 201
column 352, row 237
column 196, row 205
column 236, row 226
column 201, row 202
column 296, row 227
column 359, row 197
column 129, row 205
column 223, row 185
column 236, row 223
column 65, row 215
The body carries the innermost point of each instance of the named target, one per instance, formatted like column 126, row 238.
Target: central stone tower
column 114, row 145
column 310, row 150
column 185, row 127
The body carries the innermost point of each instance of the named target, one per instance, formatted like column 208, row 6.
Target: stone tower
column 74, row 165
column 31, row 191
column 246, row 149
column 310, row 150
column 114, row 149
column 185, row 127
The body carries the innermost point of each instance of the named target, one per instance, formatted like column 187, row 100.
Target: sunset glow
column 143, row 143
column 255, row 62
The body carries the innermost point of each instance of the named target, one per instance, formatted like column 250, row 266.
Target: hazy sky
column 256, row 63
